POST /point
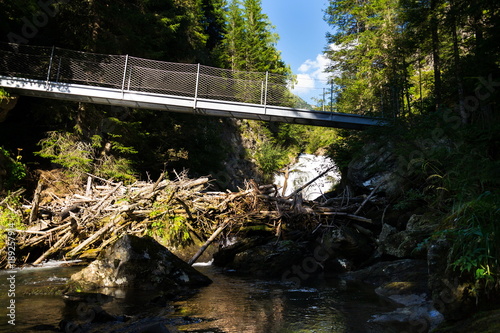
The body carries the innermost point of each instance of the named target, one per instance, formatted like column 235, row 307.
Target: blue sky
column 302, row 32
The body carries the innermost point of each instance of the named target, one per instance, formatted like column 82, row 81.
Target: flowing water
column 231, row 304
column 306, row 169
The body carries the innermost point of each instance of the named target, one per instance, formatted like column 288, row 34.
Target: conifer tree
column 250, row 42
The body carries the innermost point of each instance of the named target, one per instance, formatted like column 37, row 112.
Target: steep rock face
column 377, row 165
column 239, row 138
column 140, row 263
column 6, row 104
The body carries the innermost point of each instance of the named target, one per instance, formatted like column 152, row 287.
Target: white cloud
column 311, row 77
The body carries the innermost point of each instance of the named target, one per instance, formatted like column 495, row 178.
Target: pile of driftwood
column 82, row 224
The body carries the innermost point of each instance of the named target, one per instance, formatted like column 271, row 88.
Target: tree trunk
column 436, row 54
column 458, row 69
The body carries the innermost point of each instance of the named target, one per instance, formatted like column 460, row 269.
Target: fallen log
column 350, row 216
column 300, row 189
column 54, row 248
column 36, row 202
column 367, row 198
column 207, row 243
column 92, row 238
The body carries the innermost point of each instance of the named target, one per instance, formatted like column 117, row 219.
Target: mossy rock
column 139, row 263
column 484, row 322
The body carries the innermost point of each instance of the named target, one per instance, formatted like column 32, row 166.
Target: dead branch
column 102, row 211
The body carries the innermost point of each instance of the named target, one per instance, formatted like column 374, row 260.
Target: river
column 231, row 304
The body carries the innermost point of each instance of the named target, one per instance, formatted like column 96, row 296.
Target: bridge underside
column 171, row 103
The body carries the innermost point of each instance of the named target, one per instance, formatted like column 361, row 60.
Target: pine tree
column 250, row 42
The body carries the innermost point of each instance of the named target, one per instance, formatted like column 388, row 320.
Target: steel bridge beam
column 171, row 103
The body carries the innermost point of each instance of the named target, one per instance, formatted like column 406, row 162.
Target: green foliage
column 412, row 198
column 344, row 148
column 396, row 58
column 318, row 138
column 117, row 168
column 476, row 240
column 271, row 157
column 4, row 94
column 249, row 43
column 15, row 169
column 168, row 226
column 11, row 217
column 65, row 149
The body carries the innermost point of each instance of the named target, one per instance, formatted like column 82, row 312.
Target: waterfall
column 304, row 170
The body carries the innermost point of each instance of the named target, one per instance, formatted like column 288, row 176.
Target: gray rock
column 142, row 264
column 405, row 244
column 412, row 271
column 267, row 260
column 377, row 164
column 418, row 319
column 404, row 282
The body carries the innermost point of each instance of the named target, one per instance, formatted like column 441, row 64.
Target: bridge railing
column 136, row 74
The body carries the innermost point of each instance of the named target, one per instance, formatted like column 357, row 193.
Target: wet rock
column 142, row 264
column 406, row 243
column 412, row 271
column 404, row 282
column 415, row 319
column 225, row 256
column 260, row 257
column 349, row 244
column 451, row 296
column 377, row 164
column 486, row 321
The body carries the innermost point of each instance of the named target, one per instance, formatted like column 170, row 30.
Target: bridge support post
column 50, row 67
column 196, row 87
column 124, row 75
column 265, row 92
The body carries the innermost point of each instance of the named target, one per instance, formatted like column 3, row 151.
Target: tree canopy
column 407, row 57
column 121, row 143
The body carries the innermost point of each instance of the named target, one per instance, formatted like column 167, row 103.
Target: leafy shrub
column 169, row 227
column 15, row 169
column 65, row 149
column 345, row 147
column 11, row 217
column 476, row 240
column 117, row 168
column 271, row 157
column 3, row 94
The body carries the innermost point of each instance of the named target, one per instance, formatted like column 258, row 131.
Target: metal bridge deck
column 123, row 80
column 200, row 106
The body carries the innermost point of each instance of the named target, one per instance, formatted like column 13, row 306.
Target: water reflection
column 35, row 310
column 236, row 304
column 231, row 304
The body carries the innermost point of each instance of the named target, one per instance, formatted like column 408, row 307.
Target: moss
column 484, row 322
column 46, row 291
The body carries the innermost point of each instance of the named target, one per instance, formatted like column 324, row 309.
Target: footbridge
column 122, row 80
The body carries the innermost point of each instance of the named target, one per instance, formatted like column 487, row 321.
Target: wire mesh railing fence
column 128, row 73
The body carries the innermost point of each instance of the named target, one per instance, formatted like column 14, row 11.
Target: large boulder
column 452, row 296
column 140, row 263
column 407, row 243
column 404, row 282
column 376, row 165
